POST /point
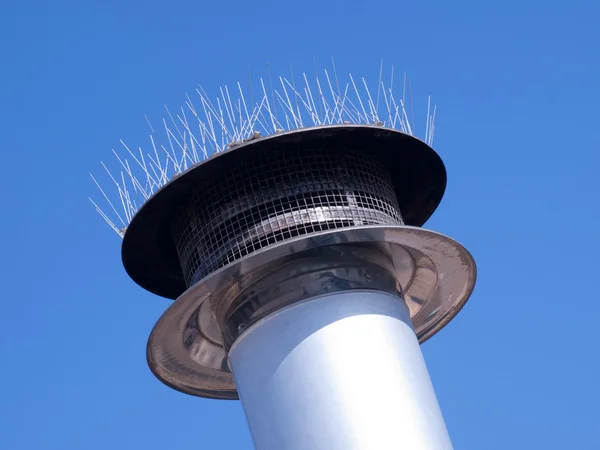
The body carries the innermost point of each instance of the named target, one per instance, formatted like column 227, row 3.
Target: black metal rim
column 419, row 177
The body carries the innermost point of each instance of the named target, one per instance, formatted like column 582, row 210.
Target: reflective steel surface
column 185, row 350
column 342, row 371
column 299, row 277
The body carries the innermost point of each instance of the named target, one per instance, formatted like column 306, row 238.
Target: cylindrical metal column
column 342, row 371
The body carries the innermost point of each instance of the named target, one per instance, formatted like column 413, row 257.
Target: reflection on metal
column 434, row 272
column 324, row 366
column 297, row 261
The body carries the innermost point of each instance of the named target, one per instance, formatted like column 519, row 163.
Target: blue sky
column 517, row 86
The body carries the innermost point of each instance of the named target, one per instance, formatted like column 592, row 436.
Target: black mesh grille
column 274, row 196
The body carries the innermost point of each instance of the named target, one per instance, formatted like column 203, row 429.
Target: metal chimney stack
column 304, row 285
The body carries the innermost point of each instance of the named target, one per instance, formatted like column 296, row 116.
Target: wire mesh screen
column 273, row 196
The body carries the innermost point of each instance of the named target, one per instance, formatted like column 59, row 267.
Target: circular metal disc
column 436, row 273
column 418, row 175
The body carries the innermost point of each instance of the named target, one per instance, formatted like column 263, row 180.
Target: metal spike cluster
column 196, row 132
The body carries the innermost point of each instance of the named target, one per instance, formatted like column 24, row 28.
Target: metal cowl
column 280, row 220
column 416, row 174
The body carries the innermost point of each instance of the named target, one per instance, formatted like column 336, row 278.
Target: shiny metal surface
column 302, row 276
column 185, row 351
column 342, row 371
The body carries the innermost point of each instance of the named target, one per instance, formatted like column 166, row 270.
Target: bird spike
column 227, row 122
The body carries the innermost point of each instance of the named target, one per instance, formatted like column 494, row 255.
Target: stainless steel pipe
column 340, row 371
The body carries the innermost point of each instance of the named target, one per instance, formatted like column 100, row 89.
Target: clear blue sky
column 517, row 84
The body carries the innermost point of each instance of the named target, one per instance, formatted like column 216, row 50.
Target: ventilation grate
column 274, row 196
